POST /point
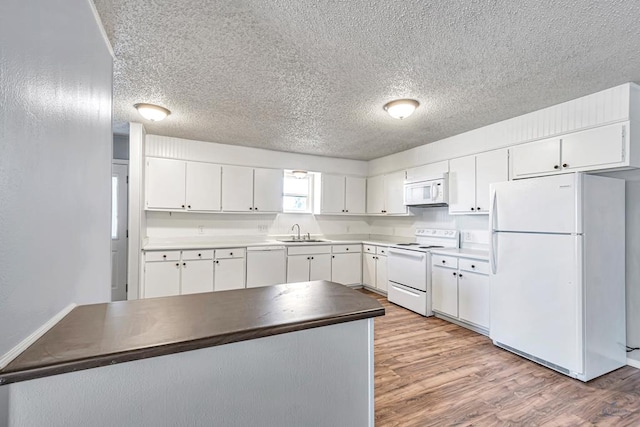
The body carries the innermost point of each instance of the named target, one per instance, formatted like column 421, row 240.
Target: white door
column 161, row 279
column 267, row 196
column 265, row 267
column 444, row 290
column 229, row 274
column 197, row 276
column 375, row 194
column 345, row 268
column 355, row 195
column 332, row 194
column 600, row 146
column 473, row 298
column 394, row 193
column 381, row 272
column 546, row 204
column 536, row 158
column 298, row 268
column 536, row 296
column 369, row 270
column 166, row 180
column 320, row 267
column 491, row 167
column 237, row 189
column 462, row 184
column 119, row 201
column 203, row 186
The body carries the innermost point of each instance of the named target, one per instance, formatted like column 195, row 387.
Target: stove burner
column 430, row 247
column 407, row 244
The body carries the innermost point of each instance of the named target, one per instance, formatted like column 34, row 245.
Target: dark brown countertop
column 97, row 335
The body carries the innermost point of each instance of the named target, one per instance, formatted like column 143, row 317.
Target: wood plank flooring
column 429, row 372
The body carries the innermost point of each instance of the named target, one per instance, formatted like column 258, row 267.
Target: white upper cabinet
column 603, row 147
column 203, row 186
column 166, row 180
column 385, row 194
column 267, row 194
column 429, row 171
column 470, row 177
column 247, row 189
column 343, row 194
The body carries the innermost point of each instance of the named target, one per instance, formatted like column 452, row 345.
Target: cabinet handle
column 311, row 257
column 200, row 255
column 455, row 274
column 565, row 165
column 183, row 206
column 342, row 210
column 184, row 264
column 177, row 264
column 347, row 248
column 230, row 253
column 255, row 209
column 556, row 167
column 444, row 262
column 250, row 208
column 459, row 275
column 473, row 266
column 473, row 209
column 347, row 210
column 478, row 208
column 164, row 256
column 217, row 262
column 308, row 257
column 189, row 206
column 333, row 256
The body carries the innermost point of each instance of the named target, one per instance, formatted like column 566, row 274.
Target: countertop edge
column 178, row 347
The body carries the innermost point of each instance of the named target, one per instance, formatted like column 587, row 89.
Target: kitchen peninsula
column 291, row 354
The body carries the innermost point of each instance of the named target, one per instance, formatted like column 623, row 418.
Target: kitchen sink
column 302, row 241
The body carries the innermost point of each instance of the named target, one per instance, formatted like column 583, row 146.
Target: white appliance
column 266, row 265
column 557, row 255
column 433, row 192
column 408, row 269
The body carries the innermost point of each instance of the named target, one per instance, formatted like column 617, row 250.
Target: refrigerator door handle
column 494, row 236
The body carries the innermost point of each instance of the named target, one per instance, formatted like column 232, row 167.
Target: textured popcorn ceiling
column 311, row 76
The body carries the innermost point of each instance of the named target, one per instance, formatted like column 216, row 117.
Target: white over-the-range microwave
column 430, row 192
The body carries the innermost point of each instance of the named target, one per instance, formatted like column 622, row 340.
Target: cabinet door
column 203, row 186
column 298, row 268
column 355, row 197
column 229, row 274
column 603, row 146
column 165, row 184
column 444, row 290
column 381, row 273
column 345, row 268
column 161, row 279
column 491, row 167
column 320, row 267
column 394, row 193
column 462, row 185
column 332, row 194
column 536, row 158
column 375, row 195
column 237, row 189
column 474, row 298
column 369, row 270
column 197, row 276
column 267, row 196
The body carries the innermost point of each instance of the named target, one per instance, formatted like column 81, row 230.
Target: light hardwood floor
column 429, row 372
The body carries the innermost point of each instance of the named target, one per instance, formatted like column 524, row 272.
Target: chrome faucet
column 294, row 226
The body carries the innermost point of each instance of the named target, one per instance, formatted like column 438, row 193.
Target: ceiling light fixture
column 401, row 108
column 155, row 113
column 299, row 174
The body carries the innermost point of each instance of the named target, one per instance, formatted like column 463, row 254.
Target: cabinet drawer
column 444, row 261
column 475, row 265
column 202, row 254
column 369, row 249
column 346, row 249
column 230, row 253
column 382, row 250
column 308, row 250
column 162, row 256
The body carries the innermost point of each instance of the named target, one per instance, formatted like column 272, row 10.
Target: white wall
column 55, row 166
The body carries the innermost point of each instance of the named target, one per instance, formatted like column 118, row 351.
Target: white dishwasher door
column 266, row 265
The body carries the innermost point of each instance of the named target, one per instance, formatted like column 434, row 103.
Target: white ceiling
column 311, row 76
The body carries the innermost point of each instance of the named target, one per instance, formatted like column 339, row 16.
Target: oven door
column 407, row 268
column 408, row 298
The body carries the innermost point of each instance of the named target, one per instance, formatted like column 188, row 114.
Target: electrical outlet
column 201, row 229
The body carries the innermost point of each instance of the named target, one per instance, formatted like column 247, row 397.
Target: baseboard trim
column 25, row 343
column 633, row 362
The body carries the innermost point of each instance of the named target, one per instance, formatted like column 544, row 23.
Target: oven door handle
column 406, row 253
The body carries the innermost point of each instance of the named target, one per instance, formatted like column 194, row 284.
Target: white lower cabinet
column 460, row 289
column 306, row 263
column 197, row 276
column 346, row 264
column 374, row 267
column 229, row 269
column 162, row 278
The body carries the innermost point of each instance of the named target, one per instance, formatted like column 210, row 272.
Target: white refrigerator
column 557, row 254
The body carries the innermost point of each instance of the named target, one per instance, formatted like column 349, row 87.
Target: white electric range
column 409, row 267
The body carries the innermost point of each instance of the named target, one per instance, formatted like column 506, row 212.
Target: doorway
column 119, row 232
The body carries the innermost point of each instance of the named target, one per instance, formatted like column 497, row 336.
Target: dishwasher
column 266, row 265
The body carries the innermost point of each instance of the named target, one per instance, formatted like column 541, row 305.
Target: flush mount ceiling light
column 401, row 108
column 299, row 174
column 155, row 113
